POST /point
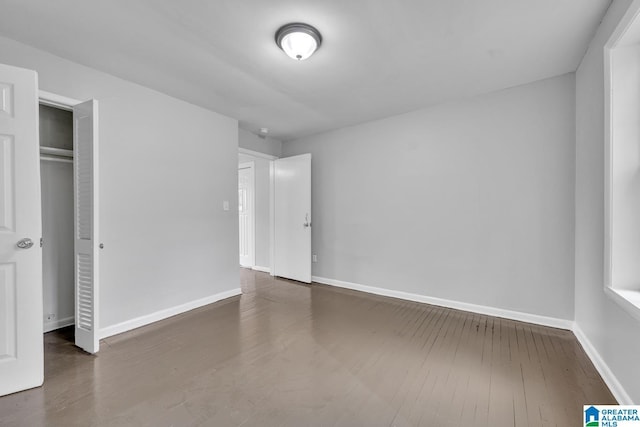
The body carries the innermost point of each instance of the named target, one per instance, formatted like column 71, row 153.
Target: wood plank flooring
column 286, row 354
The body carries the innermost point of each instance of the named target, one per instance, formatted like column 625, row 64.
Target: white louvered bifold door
column 85, row 140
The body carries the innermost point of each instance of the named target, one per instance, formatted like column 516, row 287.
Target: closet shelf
column 57, row 152
column 56, row 159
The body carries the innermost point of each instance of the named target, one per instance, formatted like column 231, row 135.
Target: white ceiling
column 378, row 57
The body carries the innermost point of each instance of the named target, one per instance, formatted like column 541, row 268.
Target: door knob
column 25, row 243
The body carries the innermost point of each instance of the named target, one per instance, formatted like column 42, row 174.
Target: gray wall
column 471, row 201
column 56, row 127
column 267, row 145
column 262, row 189
column 57, row 253
column 608, row 327
column 166, row 167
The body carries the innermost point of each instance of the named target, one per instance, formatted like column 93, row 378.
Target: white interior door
column 21, row 321
column 85, row 153
column 292, row 222
column 246, row 213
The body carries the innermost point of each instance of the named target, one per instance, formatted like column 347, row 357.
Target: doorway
column 262, row 206
column 85, row 207
column 56, row 174
column 246, row 214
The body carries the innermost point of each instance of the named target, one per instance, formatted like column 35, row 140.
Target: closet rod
column 56, row 159
column 56, row 151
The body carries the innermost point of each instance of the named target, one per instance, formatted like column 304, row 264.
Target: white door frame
column 252, row 211
column 272, row 216
column 68, row 104
column 271, row 199
column 57, row 101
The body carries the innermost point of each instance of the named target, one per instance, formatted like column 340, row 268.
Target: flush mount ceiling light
column 299, row 41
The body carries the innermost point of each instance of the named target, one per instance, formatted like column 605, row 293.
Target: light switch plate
column 225, row 205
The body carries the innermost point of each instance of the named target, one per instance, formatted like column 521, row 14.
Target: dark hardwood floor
column 286, row 354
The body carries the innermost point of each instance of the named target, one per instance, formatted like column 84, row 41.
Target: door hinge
column 41, row 241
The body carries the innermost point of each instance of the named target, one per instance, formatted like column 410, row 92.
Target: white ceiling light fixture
column 298, row 40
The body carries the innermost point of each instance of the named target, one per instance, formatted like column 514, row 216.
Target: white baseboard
column 263, row 269
column 163, row 314
column 607, row 375
column 480, row 309
column 57, row 324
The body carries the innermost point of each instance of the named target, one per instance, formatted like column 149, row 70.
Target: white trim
column 608, row 138
column 607, row 375
column 57, row 324
column 627, row 299
column 56, row 152
column 57, row 101
column 474, row 308
column 256, row 154
column 263, row 269
column 623, row 26
column 272, row 217
column 164, row 314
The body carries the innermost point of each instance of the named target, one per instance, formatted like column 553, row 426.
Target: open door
column 292, row 223
column 85, row 183
column 21, row 321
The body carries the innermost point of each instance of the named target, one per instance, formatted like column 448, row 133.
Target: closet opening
column 56, row 175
